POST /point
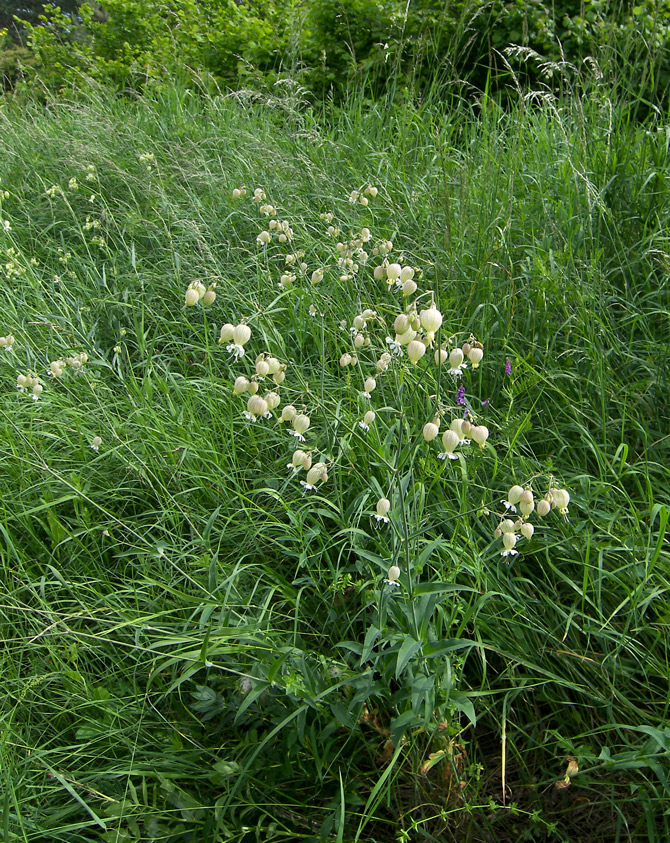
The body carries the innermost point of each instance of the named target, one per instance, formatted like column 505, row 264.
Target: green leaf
column 409, row 647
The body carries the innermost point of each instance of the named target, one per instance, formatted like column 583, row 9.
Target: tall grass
column 194, row 648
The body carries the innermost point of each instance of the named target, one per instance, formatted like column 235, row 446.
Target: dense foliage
column 198, row 647
column 325, row 44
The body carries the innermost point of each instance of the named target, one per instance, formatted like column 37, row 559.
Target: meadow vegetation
column 335, row 461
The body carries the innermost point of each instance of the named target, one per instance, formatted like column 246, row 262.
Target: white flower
column 561, row 499
column 509, row 540
column 96, row 442
column 456, row 363
column 415, row 351
column 450, row 440
column 393, row 574
column 394, row 346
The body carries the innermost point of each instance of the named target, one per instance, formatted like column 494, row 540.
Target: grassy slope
column 141, row 582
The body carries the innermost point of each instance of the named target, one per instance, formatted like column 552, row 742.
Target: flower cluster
column 523, row 500
column 30, row 383
column 197, row 292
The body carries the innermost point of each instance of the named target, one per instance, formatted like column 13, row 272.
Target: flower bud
column 241, row 334
column 369, row 417
column 379, row 272
column 383, row 506
column 209, row 297
column 543, row 507
column 430, row 431
column 475, row 356
column 480, row 434
column 370, row 385
column 415, row 351
column 359, row 341
column 509, row 540
column 514, row 494
column 527, row 530
column 96, row 442
column 253, row 387
column 300, row 423
column 507, row 525
column 298, row 458
column 383, row 362
column 273, row 400
column 409, row 288
column 406, row 274
column 456, row 358
column 526, row 504
column 466, row 428
column 345, row 359
column 393, row 271
column 317, row 473
column 431, row 319
column 262, row 368
column 317, row 276
column 441, row 356
column 226, row 333
column 273, row 365
column 192, row 297
column 466, row 348
column 457, row 425
column 359, row 322
column 278, row 377
column 257, row 406
column 450, row 440
column 561, row 499
column 241, row 385
column 38, row 389
column 393, row 574
column 288, row 412
column 401, row 323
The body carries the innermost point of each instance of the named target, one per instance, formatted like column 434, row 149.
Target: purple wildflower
column 508, row 366
column 460, row 396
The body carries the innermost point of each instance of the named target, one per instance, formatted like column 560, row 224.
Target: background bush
column 327, row 45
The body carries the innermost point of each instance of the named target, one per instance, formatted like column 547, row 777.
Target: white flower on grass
column 368, row 418
column 527, row 503
column 456, row 358
column 318, row 473
column 369, row 387
column 561, row 499
column 301, row 424
column 527, row 530
column 37, row 391
column 509, row 540
column 480, row 434
column 450, row 440
column 299, row 460
column 415, row 351
column 240, row 337
column 383, row 507
column 6, row 225
column 7, row 342
column 96, row 442
column 513, row 497
column 392, row 576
